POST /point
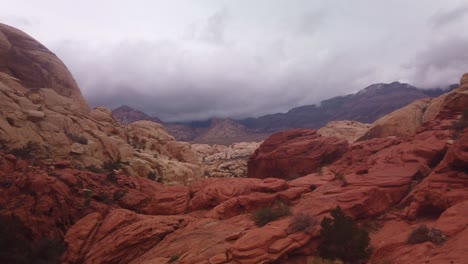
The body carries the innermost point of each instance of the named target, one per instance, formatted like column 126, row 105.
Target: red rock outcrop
column 51, row 197
column 294, row 153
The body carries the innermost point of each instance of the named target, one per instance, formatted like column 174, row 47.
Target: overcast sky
column 191, row 60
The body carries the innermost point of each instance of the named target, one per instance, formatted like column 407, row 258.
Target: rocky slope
column 42, row 112
column 26, row 60
column 365, row 106
column 126, row 115
column 225, row 161
column 395, row 183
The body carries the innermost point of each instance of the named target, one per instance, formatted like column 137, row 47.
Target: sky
column 192, row 60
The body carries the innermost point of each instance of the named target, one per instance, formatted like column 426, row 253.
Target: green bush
column 340, row 176
column 343, row 239
column 111, row 165
column 17, row 247
column 151, row 176
column 265, row 215
column 422, row 234
column 111, row 176
column 27, row 152
column 301, row 222
column 119, row 194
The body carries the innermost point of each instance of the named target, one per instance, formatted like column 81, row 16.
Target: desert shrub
column 372, row 226
column 152, row 176
column 319, row 171
column 265, row 215
column 111, row 165
column 173, row 259
column 16, row 245
column 119, row 194
column 300, row 222
column 76, row 138
column 461, row 124
column 87, row 193
column 340, row 177
column 318, row 260
column 27, row 152
column 111, row 176
column 422, row 234
column 94, row 168
column 342, row 238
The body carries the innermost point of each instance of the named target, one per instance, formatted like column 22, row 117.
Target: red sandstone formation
column 294, row 153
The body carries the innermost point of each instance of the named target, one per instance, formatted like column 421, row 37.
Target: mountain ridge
column 366, row 106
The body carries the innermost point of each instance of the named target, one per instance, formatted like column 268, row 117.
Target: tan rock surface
column 40, row 102
column 35, row 66
column 225, row 161
column 405, row 121
column 349, row 130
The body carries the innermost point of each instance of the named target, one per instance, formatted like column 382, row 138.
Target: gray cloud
column 443, row 18
column 241, row 58
column 441, row 62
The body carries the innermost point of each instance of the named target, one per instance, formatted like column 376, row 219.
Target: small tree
column 343, row 239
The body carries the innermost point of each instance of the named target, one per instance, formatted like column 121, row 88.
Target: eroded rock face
column 25, row 59
column 62, row 132
column 348, row 130
column 405, row 121
column 225, row 161
column 294, row 153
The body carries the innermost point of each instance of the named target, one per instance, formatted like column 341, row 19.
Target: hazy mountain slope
column 365, row 106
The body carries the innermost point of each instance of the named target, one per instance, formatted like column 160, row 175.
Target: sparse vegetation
column 94, row 169
column 27, row 152
column 318, row 260
column 111, row 165
column 461, row 124
column 152, row 176
column 76, row 138
column 119, row 194
column 422, row 234
column 265, row 215
column 341, row 177
column 343, row 239
column 173, row 259
column 87, row 193
column 16, row 245
column 319, row 171
column 300, row 222
column 111, row 176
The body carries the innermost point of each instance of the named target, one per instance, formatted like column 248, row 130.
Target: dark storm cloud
column 240, row 59
column 443, row 18
column 441, row 61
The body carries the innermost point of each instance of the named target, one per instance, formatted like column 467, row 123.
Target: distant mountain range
column 364, row 106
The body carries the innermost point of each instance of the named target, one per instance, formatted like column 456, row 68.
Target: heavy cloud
column 191, row 60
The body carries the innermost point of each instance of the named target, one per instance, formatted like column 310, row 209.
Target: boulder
column 294, row 153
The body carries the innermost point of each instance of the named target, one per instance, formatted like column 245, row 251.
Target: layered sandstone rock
column 225, row 161
column 405, row 121
column 41, row 103
column 211, row 221
column 349, row 130
column 26, row 60
column 294, row 153
column 63, row 132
